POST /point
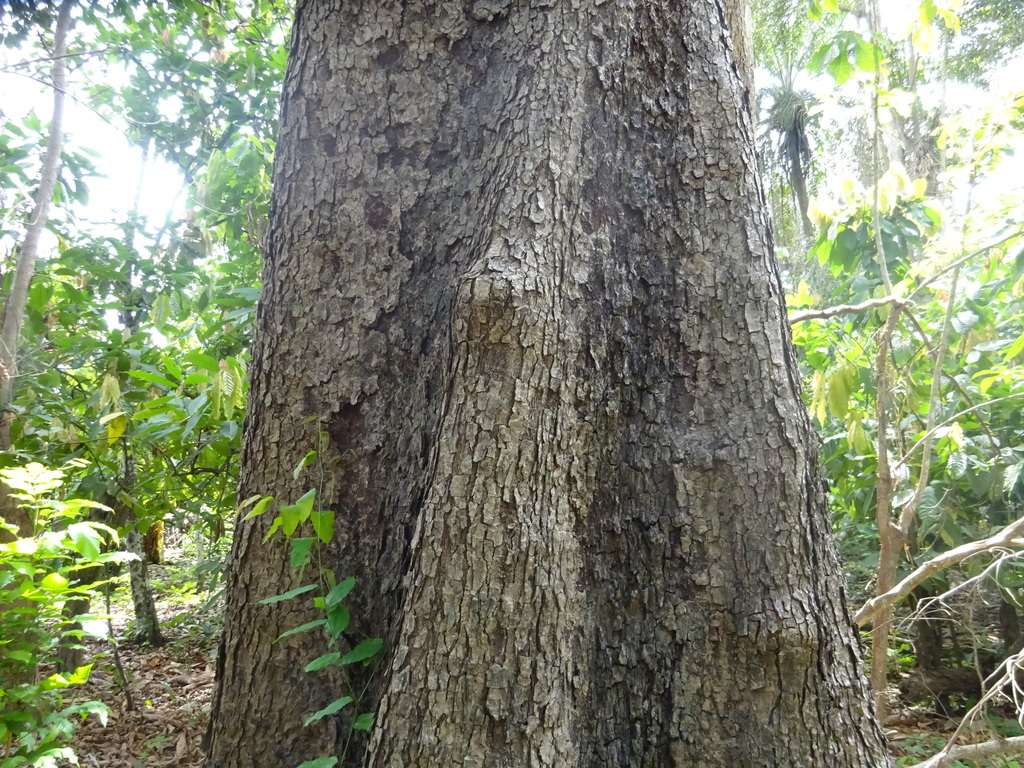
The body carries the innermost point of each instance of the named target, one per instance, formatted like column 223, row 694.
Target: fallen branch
column 1006, row 538
column 844, row 309
column 1013, row 745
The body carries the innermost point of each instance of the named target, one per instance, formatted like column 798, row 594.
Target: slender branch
column 953, row 418
column 910, row 509
column 970, row 401
column 845, row 309
column 964, row 259
column 1013, row 745
column 27, row 62
column 1008, row 537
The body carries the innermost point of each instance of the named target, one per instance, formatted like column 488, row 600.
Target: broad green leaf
column 364, row 722
column 160, row 310
column 956, row 465
column 274, row 525
column 54, row 582
column 335, row 706
column 1014, row 349
column 202, row 360
column 338, row 619
column 80, row 675
column 865, row 54
column 840, row 69
column 365, row 651
column 340, row 592
column 323, row 524
column 293, row 515
column 320, row 762
column 300, row 551
column 87, row 541
column 322, row 661
column 288, row 595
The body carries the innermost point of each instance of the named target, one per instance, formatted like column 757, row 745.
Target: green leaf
column 305, row 627
column 87, row 541
column 80, row 675
column 54, row 582
column 1014, row 349
column 308, row 459
column 322, row 661
column 338, row 618
column 300, row 551
column 1010, row 477
column 288, row 595
column 840, row 69
column 365, row 651
column 259, row 509
column 320, row 762
column 153, row 378
column 203, row 360
column 364, row 722
column 293, row 515
column 340, row 592
column 171, row 366
column 956, row 465
column 274, row 525
column 323, row 524
column 335, row 706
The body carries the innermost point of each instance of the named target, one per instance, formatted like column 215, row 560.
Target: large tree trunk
column 520, row 276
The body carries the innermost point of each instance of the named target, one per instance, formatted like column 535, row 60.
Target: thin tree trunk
column 28, row 251
column 147, row 624
column 519, row 276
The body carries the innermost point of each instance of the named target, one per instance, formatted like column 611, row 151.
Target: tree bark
column 519, row 283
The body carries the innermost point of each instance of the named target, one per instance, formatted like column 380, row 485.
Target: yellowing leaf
column 110, row 392
column 840, row 384
column 856, row 437
column 818, row 397
column 956, row 436
column 116, row 427
column 923, row 38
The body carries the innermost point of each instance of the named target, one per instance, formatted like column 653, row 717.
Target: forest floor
column 171, row 688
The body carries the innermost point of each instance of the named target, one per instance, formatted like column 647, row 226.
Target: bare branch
column 1013, row 745
column 1006, row 538
column 28, row 62
column 844, row 309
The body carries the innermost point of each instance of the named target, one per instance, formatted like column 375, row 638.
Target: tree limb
column 844, row 309
column 1008, row 537
column 1013, row 745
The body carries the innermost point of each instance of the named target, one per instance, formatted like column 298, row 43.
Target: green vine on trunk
column 329, row 597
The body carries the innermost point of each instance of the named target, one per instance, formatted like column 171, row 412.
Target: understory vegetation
column 136, row 147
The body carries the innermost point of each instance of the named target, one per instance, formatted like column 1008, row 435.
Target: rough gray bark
column 519, row 281
column 739, row 16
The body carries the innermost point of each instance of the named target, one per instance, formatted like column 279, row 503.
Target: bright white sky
column 117, row 161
